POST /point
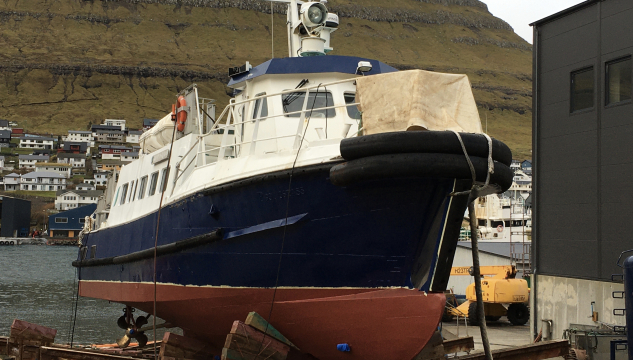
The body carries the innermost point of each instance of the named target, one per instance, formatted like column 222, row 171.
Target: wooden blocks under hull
column 26, row 339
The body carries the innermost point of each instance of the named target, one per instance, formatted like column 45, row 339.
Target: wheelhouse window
column 152, row 184
column 293, row 104
column 618, row 79
column 352, row 110
column 123, row 193
column 264, row 104
column 141, row 188
column 132, row 188
column 582, row 85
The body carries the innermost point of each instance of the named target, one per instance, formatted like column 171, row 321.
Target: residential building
column 80, row 136
column 17, row 132
column 582, row 123
column 101, row 177
column 5, row 138
column 112, row 151
column 4, row 125
column 71, row 199
column 12, row 182
column 75, row 147
column 28, row 161
column 110, row 136
column 61, row 169
column 515, row 165
column 86, row 185
column 129, row 156
column 133, row 136
column 109, row 165
column 42, row 181
column 16, row 217
column 46, row 152
column 149, row 123
column 95, row 128
column 115, row 122
column 36, row 142
column 75, row 160
column 526, row 166
column 68, row 224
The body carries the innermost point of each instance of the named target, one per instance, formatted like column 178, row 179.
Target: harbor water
column 38, row 284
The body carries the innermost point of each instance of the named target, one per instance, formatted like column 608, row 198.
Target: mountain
column 66, row 64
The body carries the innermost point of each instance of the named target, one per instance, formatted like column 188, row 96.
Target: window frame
column 141, row 189
column 61, row 222
column 153, row 183
column 607, row 82
column 571, row 89
column 256, row 106
column 301, row 94
column 164, row 178
column 123, row 193
column 345, row 94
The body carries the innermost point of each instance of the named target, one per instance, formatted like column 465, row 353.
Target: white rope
column 491, row 165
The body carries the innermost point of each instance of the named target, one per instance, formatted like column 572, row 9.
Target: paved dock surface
column 501, row 334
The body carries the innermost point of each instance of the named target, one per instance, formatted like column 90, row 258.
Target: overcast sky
column 520, row 13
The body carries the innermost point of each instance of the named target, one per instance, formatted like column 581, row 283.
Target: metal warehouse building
column 583, row 162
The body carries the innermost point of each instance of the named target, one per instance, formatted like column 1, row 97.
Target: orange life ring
column 500, row 228
column 181, row 115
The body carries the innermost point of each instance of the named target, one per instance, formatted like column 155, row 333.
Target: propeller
column 138, row 334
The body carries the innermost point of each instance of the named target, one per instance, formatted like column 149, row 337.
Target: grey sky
column 520, row 13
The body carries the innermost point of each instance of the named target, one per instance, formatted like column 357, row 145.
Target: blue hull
column 375, row 234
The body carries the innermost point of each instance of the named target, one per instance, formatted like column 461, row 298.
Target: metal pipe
column 476, row 273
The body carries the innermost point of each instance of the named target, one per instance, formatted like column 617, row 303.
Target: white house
column 36, row 142
column 1, row 161
column 71, row 199
column 61, row 169
column 86, row 185
column 42, row 181
column 29, row 161
column 129, row 156
column 115, row 122
column 80, row 136
column 133, row 136
column 75, row 160
column 101, row 177
column 12, row 182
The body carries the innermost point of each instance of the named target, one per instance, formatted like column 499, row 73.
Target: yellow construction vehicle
column 502, row 293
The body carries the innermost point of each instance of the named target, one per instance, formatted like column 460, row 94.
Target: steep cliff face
column 68, row 63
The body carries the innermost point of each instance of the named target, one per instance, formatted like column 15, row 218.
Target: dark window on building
column 294, row 102
column 152, row 184
column 582, row 84
column 618, row 81
column 352, row 110
column 61, row 220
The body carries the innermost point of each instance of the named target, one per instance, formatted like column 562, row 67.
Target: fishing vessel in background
column 336, row 227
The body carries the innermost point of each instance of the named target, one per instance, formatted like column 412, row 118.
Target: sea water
column 38, row 284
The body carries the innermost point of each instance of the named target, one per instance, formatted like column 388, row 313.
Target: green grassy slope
column 68, row 63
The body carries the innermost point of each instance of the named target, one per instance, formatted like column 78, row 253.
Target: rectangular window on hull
column 618, row 79
column 152, row 184
column 141, row 188
column 582, row 84
column 123, row 193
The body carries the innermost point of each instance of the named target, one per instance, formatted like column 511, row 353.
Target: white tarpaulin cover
column 417, row 100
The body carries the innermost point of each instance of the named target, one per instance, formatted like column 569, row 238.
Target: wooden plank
column 240, row 328
column 51, row 352
column 228, row 354
column 182, row 347
column 538, row 351
column 26, row 330
column 268, row 349
column 255, row 320
column 464, row 344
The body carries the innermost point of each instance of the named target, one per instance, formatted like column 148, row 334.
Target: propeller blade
column 142, row 339
column 124, row 341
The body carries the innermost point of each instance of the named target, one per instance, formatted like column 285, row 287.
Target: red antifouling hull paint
column 376, row 323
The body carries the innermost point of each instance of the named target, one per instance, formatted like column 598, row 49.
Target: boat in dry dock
column 336, row 227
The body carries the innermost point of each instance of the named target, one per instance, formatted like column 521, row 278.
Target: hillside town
column 60, row 178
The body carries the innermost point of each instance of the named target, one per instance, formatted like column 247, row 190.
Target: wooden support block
column 255, row 320
column 27, row 331
column 269, row 348
column 181, row 347
column 246, row 331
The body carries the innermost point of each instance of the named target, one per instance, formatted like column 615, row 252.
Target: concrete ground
column 501, row 334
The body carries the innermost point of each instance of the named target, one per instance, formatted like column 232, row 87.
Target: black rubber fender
column 445, row 142
column 419, row 165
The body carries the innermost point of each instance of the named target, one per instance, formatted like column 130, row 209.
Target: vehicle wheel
column 492, row 318
column 518, row 314
column 472, row 314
